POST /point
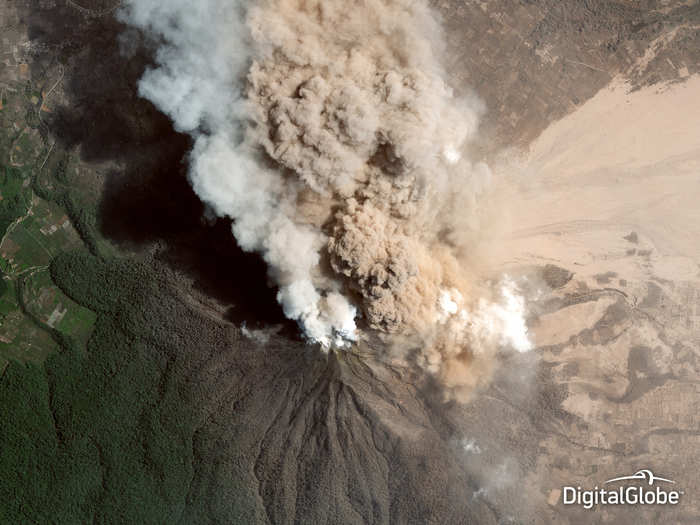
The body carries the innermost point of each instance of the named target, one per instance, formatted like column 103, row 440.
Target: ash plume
column 327, row 132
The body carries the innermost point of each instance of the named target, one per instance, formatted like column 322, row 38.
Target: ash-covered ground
column 197, row 401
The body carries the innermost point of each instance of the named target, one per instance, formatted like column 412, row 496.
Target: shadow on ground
column 146, row 198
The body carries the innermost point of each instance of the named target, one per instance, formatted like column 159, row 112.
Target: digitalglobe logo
column 649, row 489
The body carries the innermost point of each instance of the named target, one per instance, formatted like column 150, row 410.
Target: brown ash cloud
column 328, row 132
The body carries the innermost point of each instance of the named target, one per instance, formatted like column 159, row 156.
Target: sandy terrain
column 609, row 193
column 624, row 162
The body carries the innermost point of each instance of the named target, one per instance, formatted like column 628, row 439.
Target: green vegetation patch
column 72, row 189
column 35, row 316
column 97, row 420
column 104, row 436
column 31, row 250
column 22, row 339
column 15, row 195
column 50, row 306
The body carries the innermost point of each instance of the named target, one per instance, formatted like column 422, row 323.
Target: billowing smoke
column 326, row 130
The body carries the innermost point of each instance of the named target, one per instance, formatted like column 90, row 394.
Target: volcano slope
column 194, row 401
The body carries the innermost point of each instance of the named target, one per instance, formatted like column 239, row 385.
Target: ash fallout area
column 407, row 262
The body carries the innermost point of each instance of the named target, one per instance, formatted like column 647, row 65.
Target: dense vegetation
column 103, row 430
column 58, row 183
column 15, row 198
column 99, row 432
column 101, row 437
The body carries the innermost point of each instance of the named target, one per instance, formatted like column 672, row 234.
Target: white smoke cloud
column 501, row 322
column 327, row 132
column 203, row 56
column 470, row 446
column 260, row 336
